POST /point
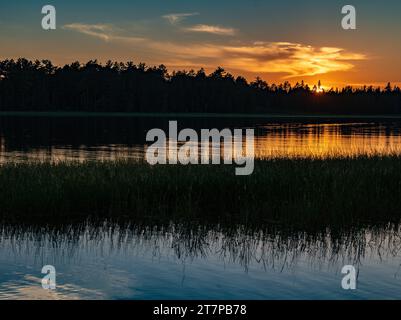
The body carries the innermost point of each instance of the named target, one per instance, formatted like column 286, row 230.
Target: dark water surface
column 109, row 138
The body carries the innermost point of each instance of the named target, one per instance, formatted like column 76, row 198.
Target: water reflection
column 27, row 287
column 58, row 139
column 108, row 260
column 328, row 140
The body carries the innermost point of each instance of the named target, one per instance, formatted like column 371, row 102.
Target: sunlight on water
column 288, row 140
column 327, row 140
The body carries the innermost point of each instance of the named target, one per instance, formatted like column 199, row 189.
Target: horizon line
column 171, row 71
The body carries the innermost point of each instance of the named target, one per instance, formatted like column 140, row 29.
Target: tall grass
column 306, row 193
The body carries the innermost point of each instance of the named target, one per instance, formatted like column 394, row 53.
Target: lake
column 132, row 260
column 103, row 138
column 172, row 262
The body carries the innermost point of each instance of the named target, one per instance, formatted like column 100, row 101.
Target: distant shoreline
column 194, row 115
column 119, row 87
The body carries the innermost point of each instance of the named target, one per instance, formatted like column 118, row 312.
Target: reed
column 301, row 193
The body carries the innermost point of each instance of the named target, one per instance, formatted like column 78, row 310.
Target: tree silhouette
column 128, row 87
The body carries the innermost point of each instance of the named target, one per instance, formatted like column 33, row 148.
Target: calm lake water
column 94, row 138
column 107, row 262
column 110, row 261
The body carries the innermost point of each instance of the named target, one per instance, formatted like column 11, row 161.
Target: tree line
column 127, row 87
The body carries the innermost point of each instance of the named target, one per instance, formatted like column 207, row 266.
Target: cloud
column 287, row 58
column 293, row 59
column 102, row 31
column 176, row 18
column 290, row 59
column 211, row 29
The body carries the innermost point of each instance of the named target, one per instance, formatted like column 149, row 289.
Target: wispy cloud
column 211, row 29
column 287, row 58
column 101, row 31
column 104, row 32
column 176, row 18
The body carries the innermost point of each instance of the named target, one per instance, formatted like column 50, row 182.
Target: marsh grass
column 298, row 193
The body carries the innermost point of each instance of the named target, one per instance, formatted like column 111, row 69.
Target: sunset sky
column 277, row 40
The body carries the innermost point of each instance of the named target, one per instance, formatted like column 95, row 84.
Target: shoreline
column 193, row 115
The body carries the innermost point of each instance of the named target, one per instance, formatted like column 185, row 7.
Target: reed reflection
column 269, row 247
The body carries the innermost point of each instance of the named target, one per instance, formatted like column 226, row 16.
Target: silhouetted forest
column 126, row 87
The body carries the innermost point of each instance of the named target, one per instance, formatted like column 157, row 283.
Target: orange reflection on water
column 327, row 140
column 288, row 140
